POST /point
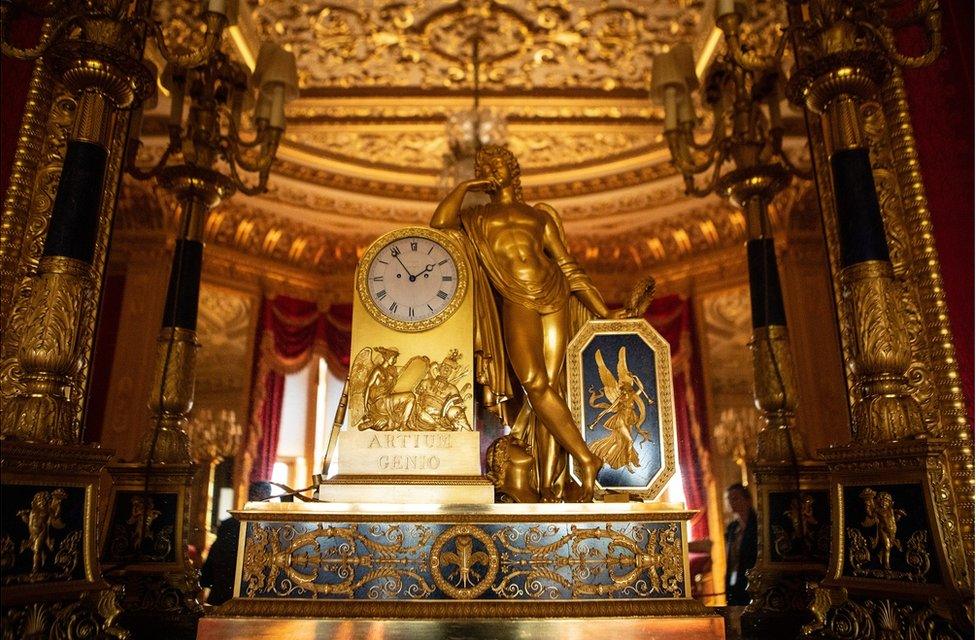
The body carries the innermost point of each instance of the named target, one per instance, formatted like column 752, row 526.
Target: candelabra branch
column 885, row 38
column 214, row 28
column 51, row 34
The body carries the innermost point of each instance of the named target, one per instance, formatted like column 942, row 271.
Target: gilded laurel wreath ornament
column 470, row 568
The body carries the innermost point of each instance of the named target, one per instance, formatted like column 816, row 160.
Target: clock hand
column 407, row 271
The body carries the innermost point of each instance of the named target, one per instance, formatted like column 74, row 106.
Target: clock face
column 412, row 282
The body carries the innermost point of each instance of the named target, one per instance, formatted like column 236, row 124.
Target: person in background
column 218, row 571
column 741, row 544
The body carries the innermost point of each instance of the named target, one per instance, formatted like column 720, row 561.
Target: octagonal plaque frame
column 621, row 394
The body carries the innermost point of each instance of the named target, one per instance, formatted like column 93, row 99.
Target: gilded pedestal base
column 488, row 561
column 143, row 549
column 51, row 578
column 794, row 546
column 897, row 564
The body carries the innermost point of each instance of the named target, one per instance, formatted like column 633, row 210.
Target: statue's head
column 499, row 165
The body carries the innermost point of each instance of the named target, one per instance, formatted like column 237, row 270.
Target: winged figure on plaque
column 622, row 409
column 386, row 393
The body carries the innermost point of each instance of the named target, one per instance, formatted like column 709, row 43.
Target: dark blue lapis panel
column 444, row 561
column 618, row 433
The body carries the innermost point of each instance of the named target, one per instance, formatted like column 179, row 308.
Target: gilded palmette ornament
column 885, row 409
column 47, row 353
column 171, row 398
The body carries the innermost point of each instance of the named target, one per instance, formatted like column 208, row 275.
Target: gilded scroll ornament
column 881, row 618
column 287, row 561
column 82, row 617
column 528, row 44
column 418, row 396
column 636, row 562
column 449, row 560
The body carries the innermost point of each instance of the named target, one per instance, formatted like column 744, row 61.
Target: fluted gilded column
column 47, row 338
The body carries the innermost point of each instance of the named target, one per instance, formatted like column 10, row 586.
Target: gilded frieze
column 462, row 561
column 526, row 44
column 423, row 149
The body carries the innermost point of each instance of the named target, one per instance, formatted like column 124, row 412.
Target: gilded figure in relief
column 520, row 254
column 621, row 401
column 420, row 396
column 880, row 512
column 43, row 516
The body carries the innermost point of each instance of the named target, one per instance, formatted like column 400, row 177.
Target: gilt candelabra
column 204, row 163
column 745, row 160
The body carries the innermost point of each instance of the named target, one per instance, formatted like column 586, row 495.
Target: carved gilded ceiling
column 379, row 79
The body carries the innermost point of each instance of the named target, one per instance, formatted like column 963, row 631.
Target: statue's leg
column 555, row 332
column 525, row 343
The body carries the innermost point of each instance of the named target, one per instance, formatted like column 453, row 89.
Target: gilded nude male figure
column 522, row 251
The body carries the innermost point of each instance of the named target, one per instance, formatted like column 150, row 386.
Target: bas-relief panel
column 727, row 328
column 223, row 363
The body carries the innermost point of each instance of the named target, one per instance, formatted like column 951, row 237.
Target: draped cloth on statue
column 291, row 332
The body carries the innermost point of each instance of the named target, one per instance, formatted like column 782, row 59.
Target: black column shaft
column 74, row 217
column 859, row 222
column 764, row 290
column 183, row 293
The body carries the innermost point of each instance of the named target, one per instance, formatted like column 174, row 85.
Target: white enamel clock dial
column 412, row 280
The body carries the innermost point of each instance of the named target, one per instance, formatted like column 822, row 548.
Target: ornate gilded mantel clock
column 408, row 527
column 409, row 435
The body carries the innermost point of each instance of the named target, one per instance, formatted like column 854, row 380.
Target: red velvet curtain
column 290, row 333
column 672, row 317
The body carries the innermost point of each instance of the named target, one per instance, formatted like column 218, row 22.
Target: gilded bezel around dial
column 378, row 313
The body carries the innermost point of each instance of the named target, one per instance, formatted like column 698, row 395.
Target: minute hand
column 410, row 275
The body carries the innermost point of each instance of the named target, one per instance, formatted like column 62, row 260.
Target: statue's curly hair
column 490, row 151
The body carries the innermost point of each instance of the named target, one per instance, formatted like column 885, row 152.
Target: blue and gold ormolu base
column 540, row 560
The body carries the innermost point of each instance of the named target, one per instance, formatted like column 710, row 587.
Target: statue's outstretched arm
column 446, row 215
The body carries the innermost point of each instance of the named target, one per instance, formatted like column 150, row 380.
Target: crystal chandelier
column 467, row 131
